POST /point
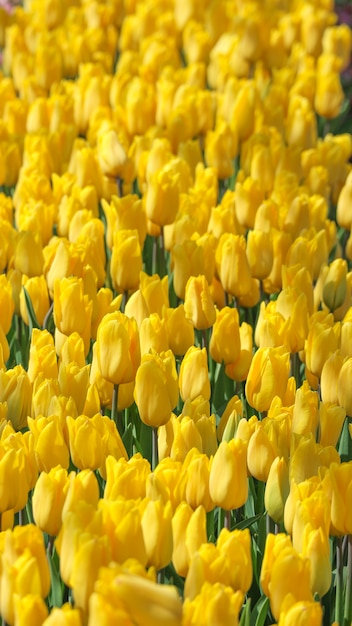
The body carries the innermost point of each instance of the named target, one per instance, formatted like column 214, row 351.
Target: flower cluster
column 175, row 313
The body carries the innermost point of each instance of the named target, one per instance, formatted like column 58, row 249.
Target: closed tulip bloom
column 259, row 253
column 91, row 553
column 125, row 213
column 179, row 328
column 189, row 532
column 228, row 482
column 122, row 525
column 248, row 197
column 329, row 94
column 82, row 486
column 25, row 568
column 194, row 375
column 277, row 489
column 341, row 483
column 197, row 467
column 74, row 382
column 162, row 195
column 15, row 389
column 331, row 421
column 30, row 610
column 286, row 566
column 225, row 343
column 316, row 548
column 303, row 613
column 28, row 254
column 323, row 340
column 153, row 334
column 7, row 303
column 13, row 492
column 301, row 125
column 148, row 603
column 42, row 356
column 335, row 284
column 155, row 291
column 126, row 478
column 232, row 265
column 87, row 455
column 118, row 348
column 215, row 603
column 126, row 260
column 64, row 616
column 69, row 302
column 48, row 500
column 157, row 533
column 188, row 260
column 219, row 152
column 267, row 377
column 239, row 369
column 49, row 442
column 236, row 547
column 343, row 390
column 38, row 292
column 305, row 416
column 261, row 453
column 199, row 306
column 156, row 389
column 112, row 155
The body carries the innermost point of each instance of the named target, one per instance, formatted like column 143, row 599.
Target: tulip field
column 175, row 313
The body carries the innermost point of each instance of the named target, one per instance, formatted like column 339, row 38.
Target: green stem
column 339, row 583
column 161, row 576
column 155, row 454
column 210, row 526
column 115, row 415
column 348, row 598
column 227, row 520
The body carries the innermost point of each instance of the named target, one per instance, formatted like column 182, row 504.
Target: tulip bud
column 267, row 377
column 228, row 482
column 194, row 376
column 48, row 500
column 157, row 533
column 118, row 349
column 156, row 388
column 199, row 306
column 277, row 489
column 126, row 260
column 189, row 532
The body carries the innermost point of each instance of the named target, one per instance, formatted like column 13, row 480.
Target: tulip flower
column 49, row 442
column 15, row 389
column 228, row 482
column 267, row 377
column 225, row 344
column 341, row 482
column 198, row 305
column 343, row 390
column 277, row 489
column 193, row 377
column 189, row 532
column 126, row 260
column 179, row 328
column 25, row 568
column 157, row 533
column 232, row 265
column 48, row 500
column 281, row 566
column 213, row 602
column 156, row 388
column 29, row 609
column 118, row 349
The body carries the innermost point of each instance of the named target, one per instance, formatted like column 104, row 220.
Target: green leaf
column 246, row 523
column 56, row 591
column 127, row 439
column 260, row 612
column 246, row 614
column 33, row 322
column 145, row 441
column 345, row 444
